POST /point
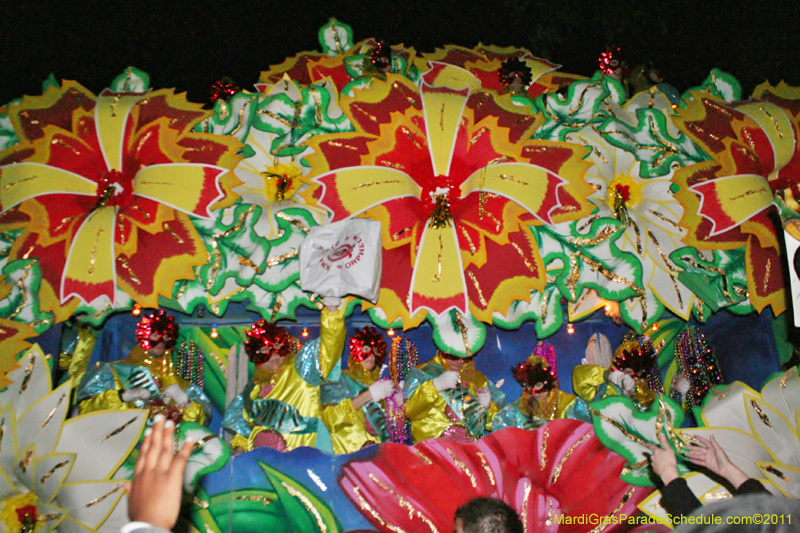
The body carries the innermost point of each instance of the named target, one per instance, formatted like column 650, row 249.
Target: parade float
column 516, row 204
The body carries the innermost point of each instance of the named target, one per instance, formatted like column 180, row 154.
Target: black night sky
column 191, row 44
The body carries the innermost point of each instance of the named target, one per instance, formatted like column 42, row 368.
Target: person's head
column 487, row 515
column 534, row 376
column 267, row 345
column 454, row 362
column 368, row 348
column 633, row 359
column 157, row 333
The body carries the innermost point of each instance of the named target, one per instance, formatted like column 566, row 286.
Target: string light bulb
column 304, row 333
column 137, row 310
column 655, row 326
column 390, row 332
column 214, row 332
column 570, row 328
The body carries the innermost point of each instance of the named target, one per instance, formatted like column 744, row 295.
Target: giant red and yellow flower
column 726, row 201
column 436, row 165
column 109, row 184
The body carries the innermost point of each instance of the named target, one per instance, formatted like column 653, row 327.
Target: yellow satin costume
column 291, row 388
column 427, row 409
column 590, row 382
column 161, row 368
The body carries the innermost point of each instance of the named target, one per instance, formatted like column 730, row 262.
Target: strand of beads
column 190, row 361
column 402, row 357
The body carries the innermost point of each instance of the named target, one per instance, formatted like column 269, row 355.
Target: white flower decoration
column 57, row 474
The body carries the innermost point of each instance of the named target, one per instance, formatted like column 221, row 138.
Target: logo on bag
column 343, row 254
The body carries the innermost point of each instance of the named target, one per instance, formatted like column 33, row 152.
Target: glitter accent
column 525, row 497
column 25, row 462
column 761, row 414
column 438, row 277
column 604, row 234
column 464, row 337
column 543, row 451
column 372, row 183
column 606, row 519
column 617, row 425
column 424, row 459
column 104, row 496
column 307, row 504
column 264, row 500
column 717, row 496
column 464, row 232
column 524, row 259
column 550, row 512
column 52, row 471
column 294, row 222
column 486, row 468
column 367, row 507
column 28, row 373
column 202, row 442
column 23, row 293
column 477, row 288
column 597, row 267
column 281, row 258
column 52, row 411
column 772, row 470
column 767, row 271
column 566, row 456
column 244, row 261
column 461, row 465
column 120, row 429
column 123, row 261
column 200, row 503
column 402, row 502
column 171, row 232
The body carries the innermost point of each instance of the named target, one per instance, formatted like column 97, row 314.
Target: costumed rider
column 449, row 397
column 541, row 399
column 280, row 407
column 631, row 374
column 147, row 378
column 353, row 406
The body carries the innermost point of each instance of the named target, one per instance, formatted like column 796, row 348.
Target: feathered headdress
column 266, row 334
column 534, row 370
column 160, row 323
column 370, row 337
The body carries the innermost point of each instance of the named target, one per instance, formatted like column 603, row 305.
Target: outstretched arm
column 711, row 455
column 154, row 493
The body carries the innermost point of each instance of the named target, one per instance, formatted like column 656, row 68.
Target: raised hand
column 154, row 493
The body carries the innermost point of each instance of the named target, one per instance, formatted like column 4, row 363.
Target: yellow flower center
column 623, row 188
column 281, row 182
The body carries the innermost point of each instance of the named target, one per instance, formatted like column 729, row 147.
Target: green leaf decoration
column 8, row 137
column 378, row 317
column 212, row 454
column 305, row 513
column 584, row 254
column 243, row 511
column 233, row 117
column 720, row 282
column 294, row 114
column 457, row 333
column 623, row 429
column 719, row 84
column 132, row 80
column 24, row 277
column 586, row 102
column 335, row 38
column 544, row 309
column 654, row 140
column 235, row 248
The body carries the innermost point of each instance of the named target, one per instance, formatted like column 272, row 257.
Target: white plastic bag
column 343, row 258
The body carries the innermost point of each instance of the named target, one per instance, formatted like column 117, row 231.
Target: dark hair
column 488, row 515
